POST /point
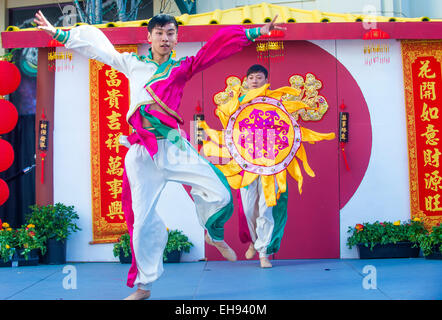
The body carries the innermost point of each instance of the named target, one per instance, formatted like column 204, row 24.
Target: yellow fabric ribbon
column 215, row 135
column 295, row 171
column 230, row 169
column 234, row 181
column 282, row 183
column 301, row 154
column 248, row 178
column 268, row 185
column 312, row 136
column 278, row 93
column 293, row 106
column 252, row 94
column 212, row 150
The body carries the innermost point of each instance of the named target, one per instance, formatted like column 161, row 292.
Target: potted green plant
column 177, row 242
column 21, row 245
column 122, row 249
column 54, row 223
column 29, row 245
column 8, row 244
column 430, row 243
column 386, row 239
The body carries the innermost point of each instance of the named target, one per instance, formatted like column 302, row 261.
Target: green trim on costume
column 69, row 35
column 61, row 36
column 215, row 224
column 279, row 213
column 164, row 70
column 163, row 131
column 253, row 33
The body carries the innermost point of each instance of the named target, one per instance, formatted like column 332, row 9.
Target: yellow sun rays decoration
column 261, row 136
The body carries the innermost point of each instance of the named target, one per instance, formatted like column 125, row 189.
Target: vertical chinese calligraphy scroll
column 109, row 103
column 422, row 62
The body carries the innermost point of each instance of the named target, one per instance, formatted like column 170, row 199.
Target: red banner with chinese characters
column 422, row 62
column 109, row 103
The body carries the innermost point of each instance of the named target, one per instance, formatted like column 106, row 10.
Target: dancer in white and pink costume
column 157, row 152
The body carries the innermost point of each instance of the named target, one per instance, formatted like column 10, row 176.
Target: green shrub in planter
column 432, row 241
column 371, row 234
column 54, row 221
column 122, row 247
column 176, row 241
column 21, row 241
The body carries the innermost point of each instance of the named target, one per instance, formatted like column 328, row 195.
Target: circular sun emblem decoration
column 262, row 136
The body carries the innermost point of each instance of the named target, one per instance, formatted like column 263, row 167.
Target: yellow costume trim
column 222, row 117
column 282, row 183
column 212, row 150
column 278, row 93
column 268, row 185
column 312, row 136
column 163, row 105
column 303, row 157
column 216, row 136
column 252, row 94
column 295, row 171
column 248, row 178
column 234, row 181
column 230, row 169
column 293, row 106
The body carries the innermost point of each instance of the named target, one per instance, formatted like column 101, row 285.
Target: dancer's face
column 163, row 39
column 256, row 80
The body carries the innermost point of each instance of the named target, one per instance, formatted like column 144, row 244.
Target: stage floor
column 334, row 279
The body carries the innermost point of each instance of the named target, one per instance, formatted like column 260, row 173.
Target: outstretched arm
column 268, row 27
column 226, row 42
column 44, row 24
column 88, row 41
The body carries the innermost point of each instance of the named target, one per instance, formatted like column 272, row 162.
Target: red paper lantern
column 9, row 77
column 7, row 155
column 9, row 116
column 375, row 34
column 4, row 192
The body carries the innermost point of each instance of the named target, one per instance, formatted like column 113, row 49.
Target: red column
column 44, row 192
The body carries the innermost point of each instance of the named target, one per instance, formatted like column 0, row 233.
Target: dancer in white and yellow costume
column 260, row 141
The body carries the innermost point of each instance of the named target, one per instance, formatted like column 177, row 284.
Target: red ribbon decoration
column 344, row 156
column 42, row 178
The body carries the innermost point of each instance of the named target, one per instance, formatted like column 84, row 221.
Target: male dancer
column 157, row 153
column 265, row 224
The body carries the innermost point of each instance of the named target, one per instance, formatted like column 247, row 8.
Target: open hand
column 268, row 27
column 43, row 23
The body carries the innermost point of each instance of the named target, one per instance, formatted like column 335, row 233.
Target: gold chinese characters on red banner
column 422, row 62
column 109, row 102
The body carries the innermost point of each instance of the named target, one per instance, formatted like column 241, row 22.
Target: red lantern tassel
column 42, row 178
column 345, row 156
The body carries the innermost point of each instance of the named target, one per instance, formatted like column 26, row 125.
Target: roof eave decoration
column 301, row 25
column 255, row 14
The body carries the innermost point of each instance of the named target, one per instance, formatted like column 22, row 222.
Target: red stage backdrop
column 109, row 103
column 423, row 95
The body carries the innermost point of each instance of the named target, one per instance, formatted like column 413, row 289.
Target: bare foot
column 139, row 295
column 223, row 248
column 265, row 262
column 251, row 251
